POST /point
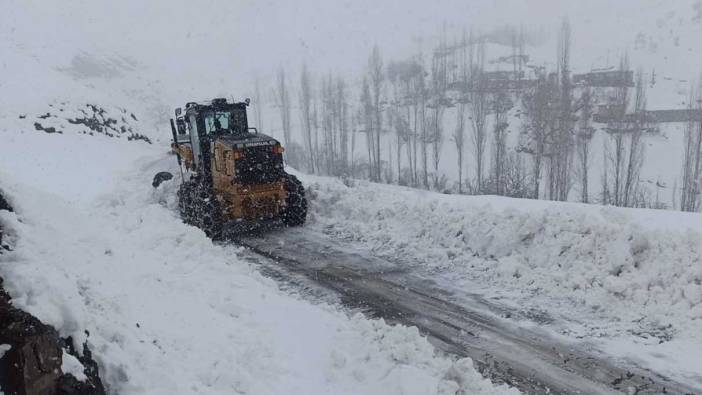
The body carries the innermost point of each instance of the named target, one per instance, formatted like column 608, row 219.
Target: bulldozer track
column 530, row 359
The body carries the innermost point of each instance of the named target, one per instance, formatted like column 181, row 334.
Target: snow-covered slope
column 631, row 276
column 102, row 257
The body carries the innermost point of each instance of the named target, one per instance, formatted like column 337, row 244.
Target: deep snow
column 97, row 251
column 627, row 280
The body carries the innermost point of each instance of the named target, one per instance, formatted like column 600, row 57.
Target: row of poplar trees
column 390, row 126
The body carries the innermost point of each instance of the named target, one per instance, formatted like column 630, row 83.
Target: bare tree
column 561, row 152
column 402, row 75
column 327, row 118
column 425, row 142
column 626, row 155
column 402, row 130
column 459, row 140
column 405, row 78
column 538, row 105
column 354, row 130
column 376, row 78
column 314, row 116
column 396, row 72
column 438, row 104
column 479, row 107
column 500, row 105
column 548, row 131
column 606, row 196
column 284, row 104
column 436, row 137
column 420, row 95
column 690, row 196
column 368, row 118
column 514, row 44
column 459, row 132
column 342, row 122
column 306, row 93
column 620, row 129
column 259, row 104
column 636, row 148
column 615, row 156
column 583, row 138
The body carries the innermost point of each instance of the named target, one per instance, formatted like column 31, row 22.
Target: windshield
column 225, row 121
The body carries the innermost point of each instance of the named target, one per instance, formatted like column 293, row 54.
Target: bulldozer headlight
column 278, row 149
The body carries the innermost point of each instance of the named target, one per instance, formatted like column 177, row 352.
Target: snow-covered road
column 626, row 281
column 532, row 360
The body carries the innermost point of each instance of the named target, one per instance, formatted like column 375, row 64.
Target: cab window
column 216, row 121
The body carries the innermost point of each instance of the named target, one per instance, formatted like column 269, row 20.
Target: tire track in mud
column 528, row 359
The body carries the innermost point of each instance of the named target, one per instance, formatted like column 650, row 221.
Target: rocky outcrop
column 89, row 119
column 4, row 205
column 31, row 352
column 31, row 362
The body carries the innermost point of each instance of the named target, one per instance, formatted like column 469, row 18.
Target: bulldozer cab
column 202, row 124
column 215, row 141
column 220, row 121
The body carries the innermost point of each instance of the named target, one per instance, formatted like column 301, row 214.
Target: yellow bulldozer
column 234, row 177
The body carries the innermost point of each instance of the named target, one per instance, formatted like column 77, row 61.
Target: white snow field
column 168, row 312
column 627, row 280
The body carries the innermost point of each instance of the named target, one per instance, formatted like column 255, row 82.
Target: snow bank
column 590, row 263
column 103, row 258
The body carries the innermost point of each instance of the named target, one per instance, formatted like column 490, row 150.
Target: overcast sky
column 258, row 36
column 338, row 32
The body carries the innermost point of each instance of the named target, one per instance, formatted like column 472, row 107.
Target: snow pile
column 71, row 365
column 609, row 263
column 103, row 258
